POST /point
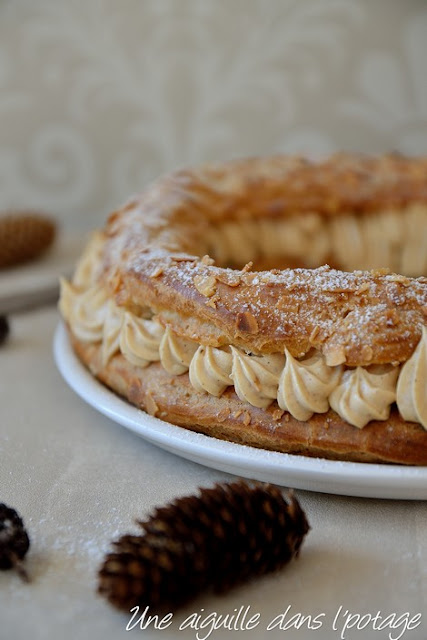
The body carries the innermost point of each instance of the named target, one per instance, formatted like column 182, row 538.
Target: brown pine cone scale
column 24, row 237
column 222, row 537
column 14, row 540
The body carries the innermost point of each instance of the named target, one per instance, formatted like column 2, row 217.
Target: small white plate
column 313, row 474
column 37, row 282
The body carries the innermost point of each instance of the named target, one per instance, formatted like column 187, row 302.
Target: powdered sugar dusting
column 165, row 232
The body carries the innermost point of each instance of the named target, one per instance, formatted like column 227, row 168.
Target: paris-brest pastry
column 275, row 302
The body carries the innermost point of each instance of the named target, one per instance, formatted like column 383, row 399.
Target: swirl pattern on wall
column 97, row 99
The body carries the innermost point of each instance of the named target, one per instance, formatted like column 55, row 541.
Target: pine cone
column 4, row 329
column 23, row 237
column 150, row 571
column 14, row 540
column 223, row 537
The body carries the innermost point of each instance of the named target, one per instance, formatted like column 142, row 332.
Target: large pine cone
column 226, row 535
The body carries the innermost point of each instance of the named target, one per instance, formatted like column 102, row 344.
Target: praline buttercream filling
column 349, row 240
column 301, row 386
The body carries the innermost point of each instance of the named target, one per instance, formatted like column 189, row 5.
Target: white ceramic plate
column 313, row 474
column 37, row 282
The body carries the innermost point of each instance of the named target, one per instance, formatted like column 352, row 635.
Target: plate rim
column 338, row 477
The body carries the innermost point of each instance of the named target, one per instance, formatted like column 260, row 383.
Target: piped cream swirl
column 210, row 370
column 86, row 311
column 301, row 387
column 89, row 265
column 365, row 394
column 140, row 340
column 411, row 387
column 111, row 334
column 305, row 385
column 256, row 378
column 67, row 300
column 176, row 353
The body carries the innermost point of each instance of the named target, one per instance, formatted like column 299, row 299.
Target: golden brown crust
column 173, row 399
column 152, row 258
column 153, row 261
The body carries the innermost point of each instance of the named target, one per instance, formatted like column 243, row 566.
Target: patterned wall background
column 97, row 97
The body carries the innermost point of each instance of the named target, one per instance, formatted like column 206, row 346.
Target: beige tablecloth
column 79, row 481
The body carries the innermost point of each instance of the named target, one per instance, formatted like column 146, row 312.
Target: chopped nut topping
column 363, row 287
column 246, row 418
column 384, row 271
column 212, row 301
column 231, row 280
column 157, row 272
column 367, row 353
column 184, row 259
column 151, row 405
column 314, row 333
column 396, row 277
column 208, row 261
column 206, row 285
column 335, row 356
column 224, row 414
column 247, row 322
